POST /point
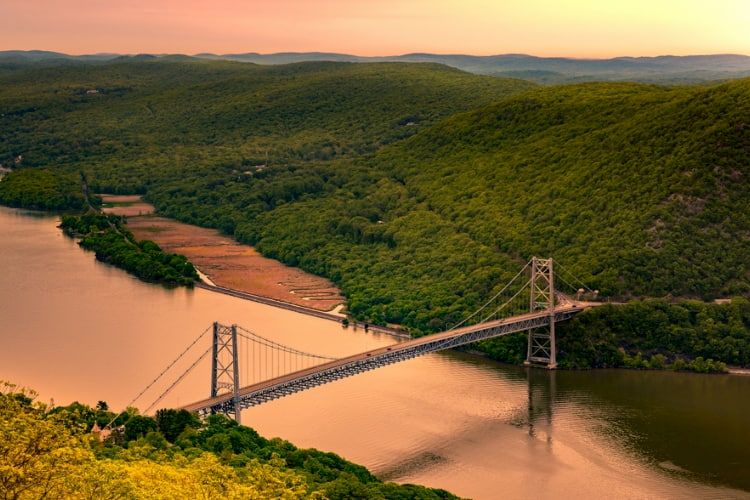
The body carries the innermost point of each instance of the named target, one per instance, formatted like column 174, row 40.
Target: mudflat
column 224, row 261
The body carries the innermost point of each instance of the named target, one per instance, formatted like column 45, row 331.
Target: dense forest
column 419, row 189
column 51, row 453
column 44, row 189
column 106, row 236
column 651, row 334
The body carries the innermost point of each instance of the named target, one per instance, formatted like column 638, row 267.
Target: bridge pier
column 225, row 372
column 541, row 342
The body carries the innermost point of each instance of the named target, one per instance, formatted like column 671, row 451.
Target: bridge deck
column 327, row 372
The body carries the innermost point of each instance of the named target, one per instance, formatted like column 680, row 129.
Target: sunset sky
column 570, row 28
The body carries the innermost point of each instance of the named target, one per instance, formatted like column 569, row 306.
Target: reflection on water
column 690, row 426
column 77, row 329
column 598, row 434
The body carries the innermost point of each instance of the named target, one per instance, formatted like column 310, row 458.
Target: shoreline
column 225, row 263
column 238, row 270
column 332, row 316
column 231, row 268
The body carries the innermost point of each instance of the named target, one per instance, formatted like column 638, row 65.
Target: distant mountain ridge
column 544, row 70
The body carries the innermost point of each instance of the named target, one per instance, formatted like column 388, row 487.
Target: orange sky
column 571, row 28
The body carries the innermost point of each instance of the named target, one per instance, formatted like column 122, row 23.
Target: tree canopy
column 418, row 189
column 49, row 453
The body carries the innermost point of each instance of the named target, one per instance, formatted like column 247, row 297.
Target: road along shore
column 234, row 269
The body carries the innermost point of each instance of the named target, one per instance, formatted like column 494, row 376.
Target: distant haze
column 569, row 28
column 541, row 70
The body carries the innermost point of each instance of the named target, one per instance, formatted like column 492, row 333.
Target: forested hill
column 643, row 190
column 135, row 123
column 638, row 190
column 418, row 188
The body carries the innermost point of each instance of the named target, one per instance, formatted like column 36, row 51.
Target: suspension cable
column 486, row 318
column 184, row 374
column 279, row 347
column 493, row 298
column 161, row 374
column 575, row 278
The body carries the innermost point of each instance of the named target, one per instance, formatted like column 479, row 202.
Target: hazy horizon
column 240, row 53
column 580, row 29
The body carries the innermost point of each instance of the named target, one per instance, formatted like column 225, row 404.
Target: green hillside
column 638, row 190
column 418, row 188
column 132, row 124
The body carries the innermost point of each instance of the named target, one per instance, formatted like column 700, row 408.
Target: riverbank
column 335, row 315
column 227, row 264
column 230, row 268
column 235, row 269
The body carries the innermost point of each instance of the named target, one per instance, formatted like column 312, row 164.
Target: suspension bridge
column 529, row 302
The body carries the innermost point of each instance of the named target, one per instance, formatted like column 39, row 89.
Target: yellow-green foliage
column 181, row 477
column 46, row 455
column 38, row 451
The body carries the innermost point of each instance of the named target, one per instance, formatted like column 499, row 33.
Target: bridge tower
column 225, row 371
column 541, row 346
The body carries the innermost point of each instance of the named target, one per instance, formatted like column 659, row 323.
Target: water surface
column 77, row 329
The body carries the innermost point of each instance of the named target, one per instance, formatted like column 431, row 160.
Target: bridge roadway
column 285, row 385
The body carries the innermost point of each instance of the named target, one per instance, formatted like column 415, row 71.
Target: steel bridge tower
column 541, row 347
column 225, row 372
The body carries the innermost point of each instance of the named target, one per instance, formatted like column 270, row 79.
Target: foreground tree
column 38, row 449
column 48, row 454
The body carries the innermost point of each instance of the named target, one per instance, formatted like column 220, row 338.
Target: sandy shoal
column 224, row 261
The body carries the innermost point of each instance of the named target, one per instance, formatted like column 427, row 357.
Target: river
column 76, row 329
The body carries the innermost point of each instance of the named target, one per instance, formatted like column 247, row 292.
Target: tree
column 172, row 423
column 138, row 426
column 38, row 449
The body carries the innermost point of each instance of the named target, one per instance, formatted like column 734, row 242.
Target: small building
column 106, row 433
